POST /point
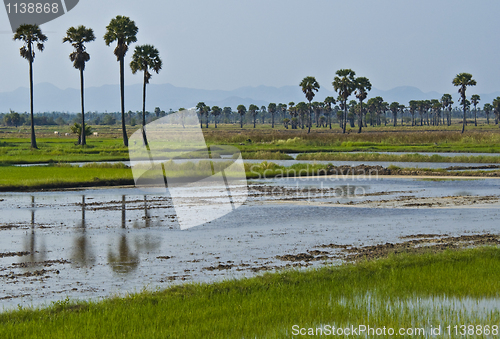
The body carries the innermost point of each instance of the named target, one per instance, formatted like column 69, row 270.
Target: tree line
column 374, row 112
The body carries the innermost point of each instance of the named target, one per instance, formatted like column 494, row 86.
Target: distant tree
column 487, row 108
column 302, row 109
column 207, row 110
column 344, row 84
column 447, row 102
column 30, row 35
column 272, row 110
column 496, row 107
column 201, row 110
column 77, row 129
column 318, row 108
column 362, row 87
column 309, row 86
column 394, row 107
column 463, row 80
column 124, row 31
column 436, row 109
column 227, row 112
column 77, row 37
column 110, row 120
column 475, row 100
column 292, row 110
column 413, row 108
column 329, row 101
column 286, row 121
column 242, row 110
column 263, row 112
column 253, row 110
column 216, row 111
column 145, row 58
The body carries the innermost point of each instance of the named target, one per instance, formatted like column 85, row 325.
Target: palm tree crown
column 146, row 57
column 124, row 31
column 77, row 37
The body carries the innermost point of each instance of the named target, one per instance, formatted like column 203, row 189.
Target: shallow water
column 99, row 242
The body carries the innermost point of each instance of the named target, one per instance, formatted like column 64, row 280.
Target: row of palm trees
column 346, row 84
column 418, row 112
column 121, row 29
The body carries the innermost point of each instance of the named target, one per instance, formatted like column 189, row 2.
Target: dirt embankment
column 368, row 170
column 419, row 243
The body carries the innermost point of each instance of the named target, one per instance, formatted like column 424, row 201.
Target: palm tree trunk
column 344, row 117
column 33, row 138
column 145, row 139
column 272, row 120
column 463, row 123
column 83, row 139
column 475, row 116
column 360, row 121
column 122, row 93
column 310, row 121
column 241, row 120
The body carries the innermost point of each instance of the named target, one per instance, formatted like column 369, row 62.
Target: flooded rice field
column 95, row 243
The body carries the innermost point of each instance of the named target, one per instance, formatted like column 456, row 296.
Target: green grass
column 412, row 157
column 15, row 145
column 383, row 292
column 14, row 178
column 63, row 176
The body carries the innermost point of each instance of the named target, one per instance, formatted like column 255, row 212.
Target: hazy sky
column 226, row 44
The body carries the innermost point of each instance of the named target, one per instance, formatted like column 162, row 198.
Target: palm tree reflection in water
column 82, row 252
column 126, row 260
column 34, row 257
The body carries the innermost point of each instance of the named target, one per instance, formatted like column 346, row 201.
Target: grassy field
column 15, row 146
column 56, row 176
column 412, row 157
column 401, row 291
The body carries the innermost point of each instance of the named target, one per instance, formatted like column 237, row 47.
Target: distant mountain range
column 49, row 98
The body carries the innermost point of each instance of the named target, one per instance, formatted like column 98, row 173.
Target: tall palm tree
column 207, row 110
column 145, row 58
column 344, row 84
column 201, row 110
column 77, row 37
column 487, row 108
column 394, row 107
column 496, row 107
column 463, row 80
column 30, row 35
column 271, row 108
column 124, row 31
column 413, row 104
column 363, row 85
column 216, row 111
column 475, row 100
column 329, row 101
column 241, row 111
column 253, row 109
column 309, row 86
column 446, row 101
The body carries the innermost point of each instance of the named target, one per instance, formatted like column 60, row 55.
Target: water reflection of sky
column 94, row 243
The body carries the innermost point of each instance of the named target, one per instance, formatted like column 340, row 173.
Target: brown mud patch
column 420, row 243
